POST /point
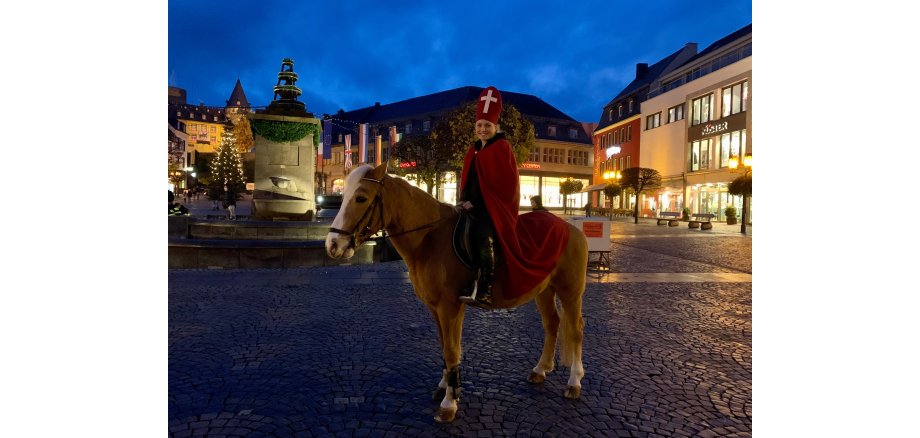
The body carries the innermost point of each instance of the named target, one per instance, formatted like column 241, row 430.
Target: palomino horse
column 420, row 229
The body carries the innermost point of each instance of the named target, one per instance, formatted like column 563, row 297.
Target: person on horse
column 489, row 188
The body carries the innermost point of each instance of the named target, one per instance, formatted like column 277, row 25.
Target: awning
column 594, row 188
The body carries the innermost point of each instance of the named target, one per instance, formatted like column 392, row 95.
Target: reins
column 358, row 238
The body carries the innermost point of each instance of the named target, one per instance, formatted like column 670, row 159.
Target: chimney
column 641, row 69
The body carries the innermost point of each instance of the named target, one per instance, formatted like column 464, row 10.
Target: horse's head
column 361, row 214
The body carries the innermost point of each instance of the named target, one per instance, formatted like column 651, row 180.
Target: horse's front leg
column 450, row 322
column 442, row 385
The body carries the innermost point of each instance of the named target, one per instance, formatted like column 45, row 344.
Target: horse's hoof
column 536, row 378
column 439, row 394
column 572, row 392
column 445, row 415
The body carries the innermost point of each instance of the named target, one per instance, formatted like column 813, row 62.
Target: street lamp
column 748, row 163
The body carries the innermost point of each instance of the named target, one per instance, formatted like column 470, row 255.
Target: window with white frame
column 653, row 121
column 630, row 105
column 620, row 110
column 675, row 113
column 732, row 144
column 699, row 154
column 610, row 114
column 701, row 110
column 535, row 154
column 629, row 133
column 573, row 133
column 734, row 99
column 628, row 162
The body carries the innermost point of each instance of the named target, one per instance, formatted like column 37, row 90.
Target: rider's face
column 485, row 129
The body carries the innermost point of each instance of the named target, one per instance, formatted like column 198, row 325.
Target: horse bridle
column 356, row 238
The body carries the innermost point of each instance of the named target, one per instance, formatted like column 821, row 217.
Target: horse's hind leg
column 546, row 303
column 572, row 332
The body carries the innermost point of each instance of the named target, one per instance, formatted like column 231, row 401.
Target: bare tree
column 639, row 179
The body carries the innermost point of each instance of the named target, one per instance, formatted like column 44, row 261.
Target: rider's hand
column 465, row 205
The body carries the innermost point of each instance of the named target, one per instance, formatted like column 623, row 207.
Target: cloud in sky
column 576, row 56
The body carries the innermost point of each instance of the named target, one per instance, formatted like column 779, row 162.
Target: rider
column 489, row 186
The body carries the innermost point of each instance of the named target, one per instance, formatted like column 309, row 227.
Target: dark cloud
column 576, row 56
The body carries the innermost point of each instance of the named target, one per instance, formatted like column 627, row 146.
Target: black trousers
column 481, row 230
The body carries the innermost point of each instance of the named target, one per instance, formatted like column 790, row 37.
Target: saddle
column 463, row 248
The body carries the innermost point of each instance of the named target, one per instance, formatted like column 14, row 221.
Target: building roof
column 436, row 105
column 730, row 38
column 238, row 97
column 194, row 113
column 644, row 78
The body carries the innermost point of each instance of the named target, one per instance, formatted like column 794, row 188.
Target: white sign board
column 597, row 231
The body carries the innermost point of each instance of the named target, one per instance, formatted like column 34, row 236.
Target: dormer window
column 178, row 113
column 620, row 110
column 630, row 105
column 204, row 117
column 215, row 118
column 610, row 114
column 551, row 130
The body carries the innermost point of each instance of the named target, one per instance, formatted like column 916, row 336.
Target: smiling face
column 485, row 129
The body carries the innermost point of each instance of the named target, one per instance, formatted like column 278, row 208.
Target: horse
column 420, row 228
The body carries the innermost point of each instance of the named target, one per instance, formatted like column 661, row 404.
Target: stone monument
column 286, row 137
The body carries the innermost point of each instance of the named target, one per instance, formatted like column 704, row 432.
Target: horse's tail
column 566, row 349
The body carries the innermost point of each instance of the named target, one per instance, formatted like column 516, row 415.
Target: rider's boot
column 482, row 291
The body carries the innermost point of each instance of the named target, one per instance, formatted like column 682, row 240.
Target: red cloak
column 530, row 243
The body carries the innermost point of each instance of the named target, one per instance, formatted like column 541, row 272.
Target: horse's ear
column 380, row 171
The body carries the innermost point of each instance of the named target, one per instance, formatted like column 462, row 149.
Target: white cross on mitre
column 488, row 99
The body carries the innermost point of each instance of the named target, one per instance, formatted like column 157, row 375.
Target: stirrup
column 471, row 298
column 476, row 299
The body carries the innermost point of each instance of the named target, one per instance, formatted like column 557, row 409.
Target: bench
column 669, row 217
column 697, row 221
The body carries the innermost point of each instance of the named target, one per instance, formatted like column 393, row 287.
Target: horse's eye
column 361, row 199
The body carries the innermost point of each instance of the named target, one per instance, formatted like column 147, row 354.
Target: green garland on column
column 285, row 132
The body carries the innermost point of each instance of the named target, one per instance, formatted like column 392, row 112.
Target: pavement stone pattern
column 349, row 351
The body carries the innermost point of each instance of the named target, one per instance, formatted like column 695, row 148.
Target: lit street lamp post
column 746, row 170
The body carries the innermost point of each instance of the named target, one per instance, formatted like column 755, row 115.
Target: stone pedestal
column 284, row 174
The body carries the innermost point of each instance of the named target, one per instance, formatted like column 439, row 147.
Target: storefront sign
column 710, row 128
column 530, row 166
column 407, row 164
column 731, row 123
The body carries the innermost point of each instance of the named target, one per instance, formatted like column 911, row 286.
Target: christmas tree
column 228, row 166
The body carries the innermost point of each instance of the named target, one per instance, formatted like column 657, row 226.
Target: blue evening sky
column 575, row 55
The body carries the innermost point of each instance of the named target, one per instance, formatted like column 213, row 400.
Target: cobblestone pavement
column 349, row 351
